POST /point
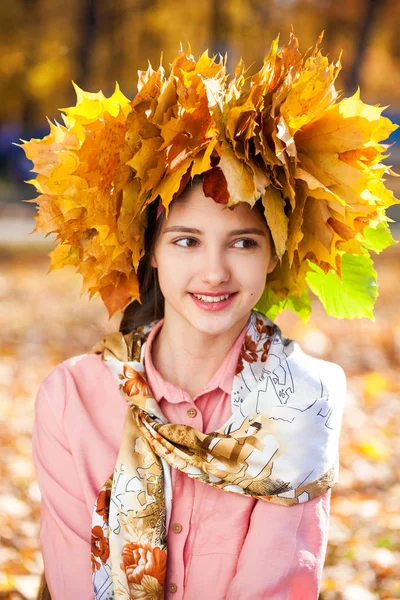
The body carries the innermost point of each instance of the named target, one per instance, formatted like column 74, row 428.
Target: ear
column 272, row 263
column 153, row 262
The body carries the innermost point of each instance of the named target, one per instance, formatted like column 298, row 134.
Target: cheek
column 171, row 276
column 253, row 273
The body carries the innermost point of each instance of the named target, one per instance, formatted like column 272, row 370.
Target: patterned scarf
column 280, row 445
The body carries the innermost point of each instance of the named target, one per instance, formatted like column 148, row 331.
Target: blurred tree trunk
column 86, row 39
column 218, row 28
column 29, row 105
column 116, row 37
column 372, row 9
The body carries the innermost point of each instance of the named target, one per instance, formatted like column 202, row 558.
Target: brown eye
column 250, row 243
column 186, row 239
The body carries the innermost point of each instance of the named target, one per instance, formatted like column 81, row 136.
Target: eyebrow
column 185, row 229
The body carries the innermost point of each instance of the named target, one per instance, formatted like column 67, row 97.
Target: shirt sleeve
column 284, row 551
column 65, row 523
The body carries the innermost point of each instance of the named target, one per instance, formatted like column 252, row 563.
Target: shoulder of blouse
column 332, row 375
column 75, row 367
column 326, row 376
column 69, row 382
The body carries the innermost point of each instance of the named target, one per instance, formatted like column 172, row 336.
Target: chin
column 212, row 326
column 216, row 323
column 209, row 323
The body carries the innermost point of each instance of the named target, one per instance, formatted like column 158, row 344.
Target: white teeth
column 212, row 298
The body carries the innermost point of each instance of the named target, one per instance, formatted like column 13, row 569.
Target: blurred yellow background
column 43, row 320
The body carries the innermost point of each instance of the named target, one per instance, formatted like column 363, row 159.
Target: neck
column 189, row 358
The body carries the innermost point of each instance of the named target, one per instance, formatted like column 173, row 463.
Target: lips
column 223, row 293
column 213, row 306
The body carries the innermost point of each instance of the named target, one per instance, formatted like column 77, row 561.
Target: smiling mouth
column 213, row 299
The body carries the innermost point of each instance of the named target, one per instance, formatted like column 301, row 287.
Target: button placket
column 177, row 534
column 177, row 528
column 191, row 412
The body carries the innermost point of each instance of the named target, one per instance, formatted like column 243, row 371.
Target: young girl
column 191, row 454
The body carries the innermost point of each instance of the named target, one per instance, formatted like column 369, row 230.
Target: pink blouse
column 220, row 545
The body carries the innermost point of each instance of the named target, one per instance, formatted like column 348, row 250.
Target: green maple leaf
column 353, row 296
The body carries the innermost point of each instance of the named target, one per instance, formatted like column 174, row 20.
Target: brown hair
column 151, row 307
column 152, row 300
column 43, row 592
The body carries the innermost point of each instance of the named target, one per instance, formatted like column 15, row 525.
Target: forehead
column 193, row 206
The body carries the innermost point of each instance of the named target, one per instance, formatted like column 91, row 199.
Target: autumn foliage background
column 43, row 320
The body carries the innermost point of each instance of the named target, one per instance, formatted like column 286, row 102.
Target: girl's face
column 206, row 249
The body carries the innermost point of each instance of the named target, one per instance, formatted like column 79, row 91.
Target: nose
column 215, row 267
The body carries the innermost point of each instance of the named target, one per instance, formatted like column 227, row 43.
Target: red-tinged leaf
column 215, row 186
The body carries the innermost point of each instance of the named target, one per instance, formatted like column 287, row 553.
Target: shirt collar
column 222, row 379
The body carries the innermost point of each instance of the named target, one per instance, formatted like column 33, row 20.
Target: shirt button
column 177, row 527
column 172, row 588
column 191, row 412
